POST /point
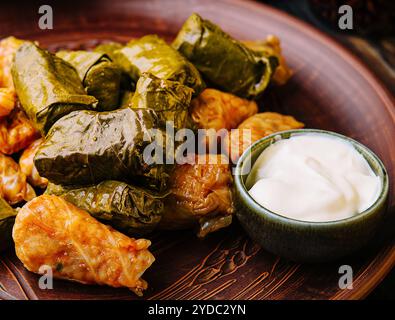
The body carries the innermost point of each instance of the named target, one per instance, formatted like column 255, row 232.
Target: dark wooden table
column 375, row 48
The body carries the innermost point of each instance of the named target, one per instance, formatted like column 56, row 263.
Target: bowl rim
column 242, row 190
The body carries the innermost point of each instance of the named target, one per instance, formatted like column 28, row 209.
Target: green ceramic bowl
column 304, row 241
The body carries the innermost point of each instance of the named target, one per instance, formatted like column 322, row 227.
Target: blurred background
column 372, row 39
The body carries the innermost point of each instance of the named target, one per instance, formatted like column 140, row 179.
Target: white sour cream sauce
column 313, row 177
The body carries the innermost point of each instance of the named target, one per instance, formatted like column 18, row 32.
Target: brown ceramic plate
column 330, row 90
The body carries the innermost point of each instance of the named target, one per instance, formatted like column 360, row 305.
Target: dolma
column 200, row 196
column 153, row 55
column 47, row 86
column 271, row 46
column 169, row 99
column 7, row 219
column 87, row 147
column 225, row 62
column 126, row 208
column 109, row 49
column 126, row 99
column 50, row 231
column 99, row 75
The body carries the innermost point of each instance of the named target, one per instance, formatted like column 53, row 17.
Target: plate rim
column 384, row 259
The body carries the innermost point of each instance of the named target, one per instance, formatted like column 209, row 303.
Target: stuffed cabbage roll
column 214, row 109
column 153, row 55
column 47, row 87
column 16, row 132
column 200, row 196
column 255, row 128
column 13, row 185
column 218, row 111
column 28, row 168
column 7, row 219
column 87, row 147
column 50, row 231
column 222, row 60
column 169, row 99
column 7, row 101
column 8, row 47
column 271, row 47
column 99, row 75
column 126, row 208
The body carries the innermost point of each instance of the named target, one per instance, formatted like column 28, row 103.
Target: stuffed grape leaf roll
column 99, row 75
column 108, row 48
column 126, row 99
column 222, row 60
column 153, row 55
column 7, row 219
column 125, row 207
column 87, row 147
column 47, row 86
column 169, row 99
